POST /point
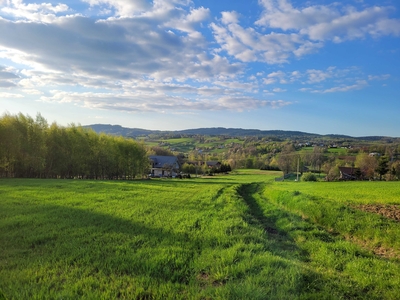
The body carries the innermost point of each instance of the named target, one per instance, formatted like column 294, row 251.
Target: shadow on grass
column 57, row 246
column 279, row 240
column 277, row 225
column 61, row 239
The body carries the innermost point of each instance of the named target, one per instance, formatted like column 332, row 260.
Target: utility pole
column 298, row 163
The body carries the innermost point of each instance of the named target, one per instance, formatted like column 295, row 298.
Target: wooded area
column 31, row 148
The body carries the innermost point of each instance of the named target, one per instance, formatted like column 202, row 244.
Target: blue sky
column 317, row 66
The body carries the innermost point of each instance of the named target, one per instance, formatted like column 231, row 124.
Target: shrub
column 309, row 177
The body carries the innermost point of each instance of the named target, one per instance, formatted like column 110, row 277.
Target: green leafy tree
column 367, row 164
column 287, row 159
column 308, row 176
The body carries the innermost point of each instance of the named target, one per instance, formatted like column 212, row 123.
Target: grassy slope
column 241, row 236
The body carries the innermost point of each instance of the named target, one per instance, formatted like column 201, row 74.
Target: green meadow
column 212, row 144
column 237, row 236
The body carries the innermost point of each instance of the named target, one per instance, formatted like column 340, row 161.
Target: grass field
column 240, row 236
column 185, row 145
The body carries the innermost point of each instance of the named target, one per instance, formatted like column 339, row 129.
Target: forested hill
column 215, row 131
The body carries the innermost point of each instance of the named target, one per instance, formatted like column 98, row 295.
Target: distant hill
column 216, row 131
column 122, row 131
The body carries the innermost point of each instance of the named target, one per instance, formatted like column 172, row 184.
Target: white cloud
column 299, row 31
column 124, row 8
column 186, row 22
column 315, row 76
column 7, row 73
column 229, row 17
column 277, row 76
column 281, row 14
column 142, row 55
column 269, row 80
column 333, row 22
column 10, row 95
column 248, row 45
column 150, row 102
column 114, row 49
column 360, row 84
column 279, row 90
column 44, row 12
column 379, row 77
column 329, row 80
column 8, row 78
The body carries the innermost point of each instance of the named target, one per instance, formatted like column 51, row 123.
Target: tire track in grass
column 292, row 241
column 280, row 242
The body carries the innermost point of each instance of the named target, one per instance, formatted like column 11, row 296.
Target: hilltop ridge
column 215, row 131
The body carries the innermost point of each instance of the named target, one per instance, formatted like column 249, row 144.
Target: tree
column 225, row 168
column 383, row 166
column 395, row 170
column 287, row 160
column 249, row 163
column 367, row 164
column 333, row 174
column 55, row 151
column 10, row 143
column 308, row 176
column 189, row 168
column 316, row 158
column 30, row 148
column 161, row 151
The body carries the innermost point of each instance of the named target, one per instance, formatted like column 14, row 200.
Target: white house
column 161, row 166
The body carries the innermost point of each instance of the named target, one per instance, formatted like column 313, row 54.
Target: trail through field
column 327, row 262
column 282, row 243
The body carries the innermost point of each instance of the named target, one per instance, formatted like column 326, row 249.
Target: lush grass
column 241, row 236
column 185, row 145
column 330, row 151
column 333, row 205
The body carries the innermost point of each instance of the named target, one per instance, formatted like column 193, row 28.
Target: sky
column 315, row 66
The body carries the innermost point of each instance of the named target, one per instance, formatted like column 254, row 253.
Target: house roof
column 159, row 161
column 213, row 163
column 348, row 170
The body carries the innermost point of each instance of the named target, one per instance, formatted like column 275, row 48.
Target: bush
column 309, row 177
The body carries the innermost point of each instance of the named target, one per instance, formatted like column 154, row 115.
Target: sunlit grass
column 241, row 236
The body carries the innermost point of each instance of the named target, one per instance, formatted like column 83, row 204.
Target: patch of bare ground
column 205, row 279
column 384, row 252
column 388, row 211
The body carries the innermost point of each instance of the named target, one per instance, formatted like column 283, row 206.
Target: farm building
column 161, row 166
column 349, row 173
column 213, row 164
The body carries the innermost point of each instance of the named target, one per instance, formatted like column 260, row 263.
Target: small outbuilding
column 349, row 173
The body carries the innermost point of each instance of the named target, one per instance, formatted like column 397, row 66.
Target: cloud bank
column 168, row 55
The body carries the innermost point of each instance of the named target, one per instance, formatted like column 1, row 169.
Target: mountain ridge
column 213, row 131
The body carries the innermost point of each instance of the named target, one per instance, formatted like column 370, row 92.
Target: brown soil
column 388, row 211
column 388, row 253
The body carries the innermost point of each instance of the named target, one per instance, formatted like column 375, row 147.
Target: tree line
column 369, row 166
column 31, row 148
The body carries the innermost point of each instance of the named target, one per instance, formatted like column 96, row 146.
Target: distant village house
column 164, row 166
